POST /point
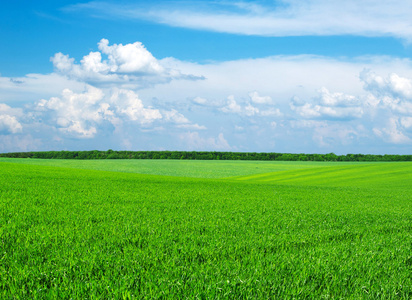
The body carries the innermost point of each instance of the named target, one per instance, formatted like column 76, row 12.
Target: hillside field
column 171, row 229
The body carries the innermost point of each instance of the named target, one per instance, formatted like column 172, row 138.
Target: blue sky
column 263, row 76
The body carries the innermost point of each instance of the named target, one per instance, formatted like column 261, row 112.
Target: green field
column 162, row 229
column 182, row 168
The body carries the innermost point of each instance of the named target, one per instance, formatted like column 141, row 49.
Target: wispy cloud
column 277, row 18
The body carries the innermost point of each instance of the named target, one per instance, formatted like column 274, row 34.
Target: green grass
column 317, row 231
column 181, row 168
column 376, row 175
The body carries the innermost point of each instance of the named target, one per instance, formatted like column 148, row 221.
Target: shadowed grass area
column 74, row 233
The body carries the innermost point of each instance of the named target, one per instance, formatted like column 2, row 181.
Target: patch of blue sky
column 33, row 31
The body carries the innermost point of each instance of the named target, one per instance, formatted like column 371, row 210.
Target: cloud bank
column 283, row 103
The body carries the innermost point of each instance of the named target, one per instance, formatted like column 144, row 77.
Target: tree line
column 204, row 155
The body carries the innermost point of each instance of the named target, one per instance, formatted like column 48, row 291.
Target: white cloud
column 91, row 63
column 129, row 65
column 123, row 60
column 406, row 122
column 285, row 18
column 248, row 109
column 200, row 101
column 10, row 124
column 391, row 133
column 5, row 109
column 271, row 112
column 281, row 77
column 329, row 106
column 392, row 86
column 33, row 87
column 402, row 107
column 127, row 102
column 393, row 92
column 383, row 101
column 82, row 115
column 113, row 113
column 8, row 119
column 256, row 98
column 337, row 99
column 175, row 117
column 232, row 106
column 129, row 58
column 278, row 76
column 76, row 114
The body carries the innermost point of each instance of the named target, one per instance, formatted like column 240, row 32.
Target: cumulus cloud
column 127, row 103
column 74, row 113
column 82, row 114
column 284, row 18
column 392, row 132
column 129, row 58
column 393, row 86
column 256, row 98
column 271, row 112
column 337, row 99
column 325, row 117
column 175, row 117
column 10, row 124
column 250, row 110
column 393, row 92
column 392, row 96
column 385, row 102
column 328, row 106
column 129, row 64
column 8, row 119
column 233, row 107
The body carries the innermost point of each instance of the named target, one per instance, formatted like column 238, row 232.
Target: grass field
column 182, row 168
column 118, row 229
